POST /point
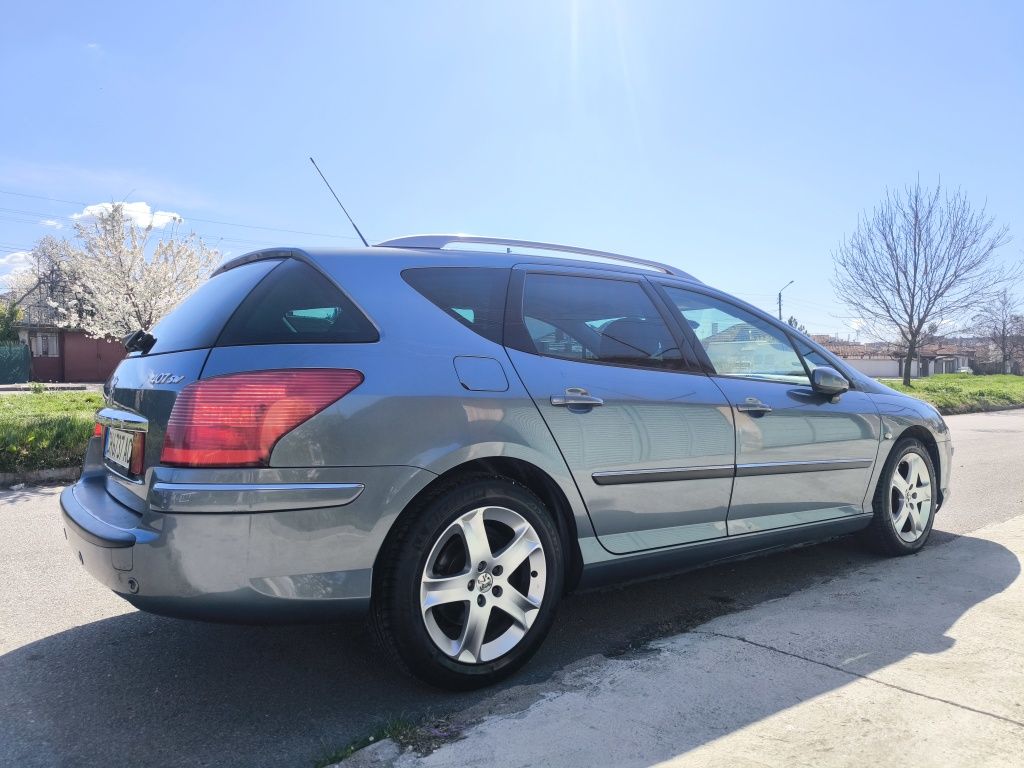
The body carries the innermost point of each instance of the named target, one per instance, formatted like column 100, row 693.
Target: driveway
column 88, row 681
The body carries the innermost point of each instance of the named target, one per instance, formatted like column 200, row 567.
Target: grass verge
column 45, row 430
column 963, row 393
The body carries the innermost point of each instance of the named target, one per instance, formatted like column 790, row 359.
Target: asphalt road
column 86, row 680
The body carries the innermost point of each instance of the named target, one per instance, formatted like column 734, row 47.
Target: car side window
column 597, row 320
column 736, row 342
column 812, row 357
column 474, row 296
column 295, row 304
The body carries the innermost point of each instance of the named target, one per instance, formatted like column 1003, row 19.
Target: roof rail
column 440, row 241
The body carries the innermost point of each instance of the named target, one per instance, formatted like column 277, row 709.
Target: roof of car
column 469, row 256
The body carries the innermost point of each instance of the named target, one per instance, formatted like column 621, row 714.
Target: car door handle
column 753, row 405
column 576, row 396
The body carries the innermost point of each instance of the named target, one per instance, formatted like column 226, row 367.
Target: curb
column 60, row 474
column 988, row 409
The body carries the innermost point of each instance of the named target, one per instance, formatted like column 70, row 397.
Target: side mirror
column 828, row 381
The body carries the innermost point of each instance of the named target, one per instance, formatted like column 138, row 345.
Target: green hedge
column 45, row 431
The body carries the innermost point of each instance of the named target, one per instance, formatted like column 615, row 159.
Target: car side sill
column 616, row 569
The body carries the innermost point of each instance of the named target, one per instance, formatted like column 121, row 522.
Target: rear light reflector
column 236, row 419
column 97, row 430
column 135, row 466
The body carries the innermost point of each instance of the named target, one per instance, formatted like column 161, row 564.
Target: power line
column 206, row 236
column 18, row 216
column 189, row 218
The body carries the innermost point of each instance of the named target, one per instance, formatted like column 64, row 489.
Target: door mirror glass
column 828, row 381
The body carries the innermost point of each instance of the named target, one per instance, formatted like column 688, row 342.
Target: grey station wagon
column 450, row 436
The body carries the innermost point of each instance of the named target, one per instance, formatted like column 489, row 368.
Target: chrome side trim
column 662, row 475
column 129, row 422
column 250, row 497
column 791, row 467
column 725, row 470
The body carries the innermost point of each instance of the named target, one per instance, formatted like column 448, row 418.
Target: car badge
column 164, row 378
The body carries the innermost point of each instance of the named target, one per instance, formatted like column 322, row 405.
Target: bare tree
column 922, row 258
column 1001, row 323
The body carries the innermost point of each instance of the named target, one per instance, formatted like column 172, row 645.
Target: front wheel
column 904, row 501
column 469, row 583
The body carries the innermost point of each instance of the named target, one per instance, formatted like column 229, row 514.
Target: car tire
column 436, row 549
column 904, row 501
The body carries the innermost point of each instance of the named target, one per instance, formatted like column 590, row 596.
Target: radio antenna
column 339, row 202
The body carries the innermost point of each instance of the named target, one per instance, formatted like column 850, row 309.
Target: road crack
column 876, row 681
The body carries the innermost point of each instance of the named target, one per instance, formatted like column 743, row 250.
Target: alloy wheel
column 911, row 497
column 483, row 584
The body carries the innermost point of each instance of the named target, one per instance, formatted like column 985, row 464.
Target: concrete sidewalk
column 910, row 662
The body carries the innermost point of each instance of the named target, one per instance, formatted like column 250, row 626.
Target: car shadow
column 138, row 689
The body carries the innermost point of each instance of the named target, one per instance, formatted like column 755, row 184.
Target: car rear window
column 296, row 304
column 475, row 296
column 197, row 321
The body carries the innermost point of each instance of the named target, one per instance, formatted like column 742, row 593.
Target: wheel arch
column 518, row 470
column 924, row 436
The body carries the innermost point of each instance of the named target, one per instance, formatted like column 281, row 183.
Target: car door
column 648, row 437
column 801, row 457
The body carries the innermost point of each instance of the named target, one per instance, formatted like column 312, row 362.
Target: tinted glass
column 475, row 296
column 296, row 304
column 596, row 320
column 196, row 322
column 736, row 342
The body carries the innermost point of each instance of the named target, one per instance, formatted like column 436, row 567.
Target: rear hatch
column 147, row 385
column 263, row 304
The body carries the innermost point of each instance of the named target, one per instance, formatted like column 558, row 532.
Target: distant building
column 884, row 360
column 63, row 354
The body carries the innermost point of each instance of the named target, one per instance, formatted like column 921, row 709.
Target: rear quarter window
column 474, row 296
column 197, row 321
column 297, row 304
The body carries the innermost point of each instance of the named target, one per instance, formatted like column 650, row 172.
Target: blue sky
column 737, row 140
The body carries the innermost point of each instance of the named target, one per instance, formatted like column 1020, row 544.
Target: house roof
column 35, row 311
column 848, row 350
column 888, row 351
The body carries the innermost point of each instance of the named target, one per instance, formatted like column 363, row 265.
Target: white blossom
column 117, row 281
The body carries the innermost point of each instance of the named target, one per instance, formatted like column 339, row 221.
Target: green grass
column 963, row 393
column 45, row 430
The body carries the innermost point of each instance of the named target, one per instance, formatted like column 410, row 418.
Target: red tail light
column 97, row 430
column 235, row 420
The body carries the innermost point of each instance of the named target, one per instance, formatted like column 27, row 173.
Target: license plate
column 119, row 447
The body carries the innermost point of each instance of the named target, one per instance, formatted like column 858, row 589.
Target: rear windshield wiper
column 139, row 341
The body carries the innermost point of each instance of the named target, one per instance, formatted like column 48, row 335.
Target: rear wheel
column 469, row 583
column 904, row 502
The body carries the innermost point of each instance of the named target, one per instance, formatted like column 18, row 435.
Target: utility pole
column 780, row 296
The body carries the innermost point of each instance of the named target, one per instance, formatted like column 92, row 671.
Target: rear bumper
column 283, row 565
